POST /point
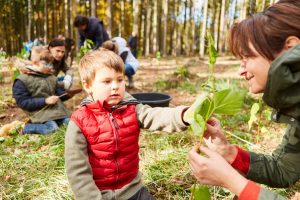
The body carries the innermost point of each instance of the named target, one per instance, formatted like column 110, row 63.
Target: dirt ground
column 149, row 72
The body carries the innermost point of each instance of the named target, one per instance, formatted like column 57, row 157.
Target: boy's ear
column 86, row 86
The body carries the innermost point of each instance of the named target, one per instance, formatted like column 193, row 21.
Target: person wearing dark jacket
column 36, row 92
column 268, row 44
column 133, row 43
column 90, row 28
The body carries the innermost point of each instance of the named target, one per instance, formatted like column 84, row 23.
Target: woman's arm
column 281, row 169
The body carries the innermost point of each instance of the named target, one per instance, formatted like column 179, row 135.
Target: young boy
column 35, row 92
column 101, row 144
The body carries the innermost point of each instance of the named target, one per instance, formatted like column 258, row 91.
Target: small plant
column 87, row 46
column 2, row 55
column 23, row 54
column 218, row 99
column 182, row 72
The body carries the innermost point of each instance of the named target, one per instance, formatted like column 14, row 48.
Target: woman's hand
column 216, row 140
column 213, row 169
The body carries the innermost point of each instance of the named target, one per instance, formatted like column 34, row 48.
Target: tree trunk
column 135, row 5
column 183, row 44
column 45, row 21
column 243, row 8
column 203, row 29
column 29, row 20
column 109, row 17
column 263, row 5
column 222, row 37
column 191, row 37
column 148, row 26
column 232, row 12
column 154, row 47
column 93, row 6
column 165, row 17
column 121, row 28
column 252, row 5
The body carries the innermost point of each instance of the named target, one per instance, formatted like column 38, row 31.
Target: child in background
column 101, row 144
column 35, row 92
column 119, row 46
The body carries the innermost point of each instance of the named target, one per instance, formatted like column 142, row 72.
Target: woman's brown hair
column 266, row 31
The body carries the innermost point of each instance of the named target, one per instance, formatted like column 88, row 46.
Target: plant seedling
column 219, row 99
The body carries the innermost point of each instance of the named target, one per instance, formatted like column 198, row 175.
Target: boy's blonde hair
column 41, row 53
column 94, row 60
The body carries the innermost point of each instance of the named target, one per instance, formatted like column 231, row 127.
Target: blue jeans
column 129, row 71
column 44, row 128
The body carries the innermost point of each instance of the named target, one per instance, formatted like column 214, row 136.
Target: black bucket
column 153, row 99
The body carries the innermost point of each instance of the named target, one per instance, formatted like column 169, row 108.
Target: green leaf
column 190, row 114
column 213, row 54
column 253, row 112
column 228, row 101
column 201, row 192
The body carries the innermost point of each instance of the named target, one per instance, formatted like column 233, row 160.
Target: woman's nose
column 242, row 70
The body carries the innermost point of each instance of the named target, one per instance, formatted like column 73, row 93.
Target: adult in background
column 133, row 43
column 57, row 47
column 119, row 46
column 268, row 44
column 90, row 28
column 70, row 52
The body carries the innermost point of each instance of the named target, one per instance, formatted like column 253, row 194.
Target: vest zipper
column 116, row 127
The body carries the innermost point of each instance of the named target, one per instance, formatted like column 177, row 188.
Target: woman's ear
column 291, row 41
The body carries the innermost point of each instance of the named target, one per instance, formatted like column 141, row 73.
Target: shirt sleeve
column 241, row 161
column 78, row 168
column 158, row 118
column 250, row 192
column 24, row 99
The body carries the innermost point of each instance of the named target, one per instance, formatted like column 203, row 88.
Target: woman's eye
column 120, row 80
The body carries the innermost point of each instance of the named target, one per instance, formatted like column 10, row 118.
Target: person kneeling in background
column 36, row 92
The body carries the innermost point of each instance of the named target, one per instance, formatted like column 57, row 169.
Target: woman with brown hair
column 268, row 45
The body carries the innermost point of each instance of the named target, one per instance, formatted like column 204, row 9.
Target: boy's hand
column 51, row 100
column 188, row 115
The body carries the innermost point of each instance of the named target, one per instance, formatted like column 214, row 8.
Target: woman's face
column 255, row 71
column 58, row 52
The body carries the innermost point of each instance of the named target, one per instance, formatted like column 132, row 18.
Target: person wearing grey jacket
column 101, row 144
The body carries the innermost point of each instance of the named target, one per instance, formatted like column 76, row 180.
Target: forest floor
column 32, row 166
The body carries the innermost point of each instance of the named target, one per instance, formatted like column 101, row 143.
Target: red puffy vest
column 112, row 138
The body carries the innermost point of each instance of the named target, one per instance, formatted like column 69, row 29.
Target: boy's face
column 108, row 86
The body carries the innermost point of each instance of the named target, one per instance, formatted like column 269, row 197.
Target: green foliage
column 32, row 167
column 222, row 99
column 254, row 110
column 182, row 72
column 3, row 55
column 23, row 54
column 201, row 192
column 219, row 101
column 16, row 73
column 158, row 55
column 86, row 47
